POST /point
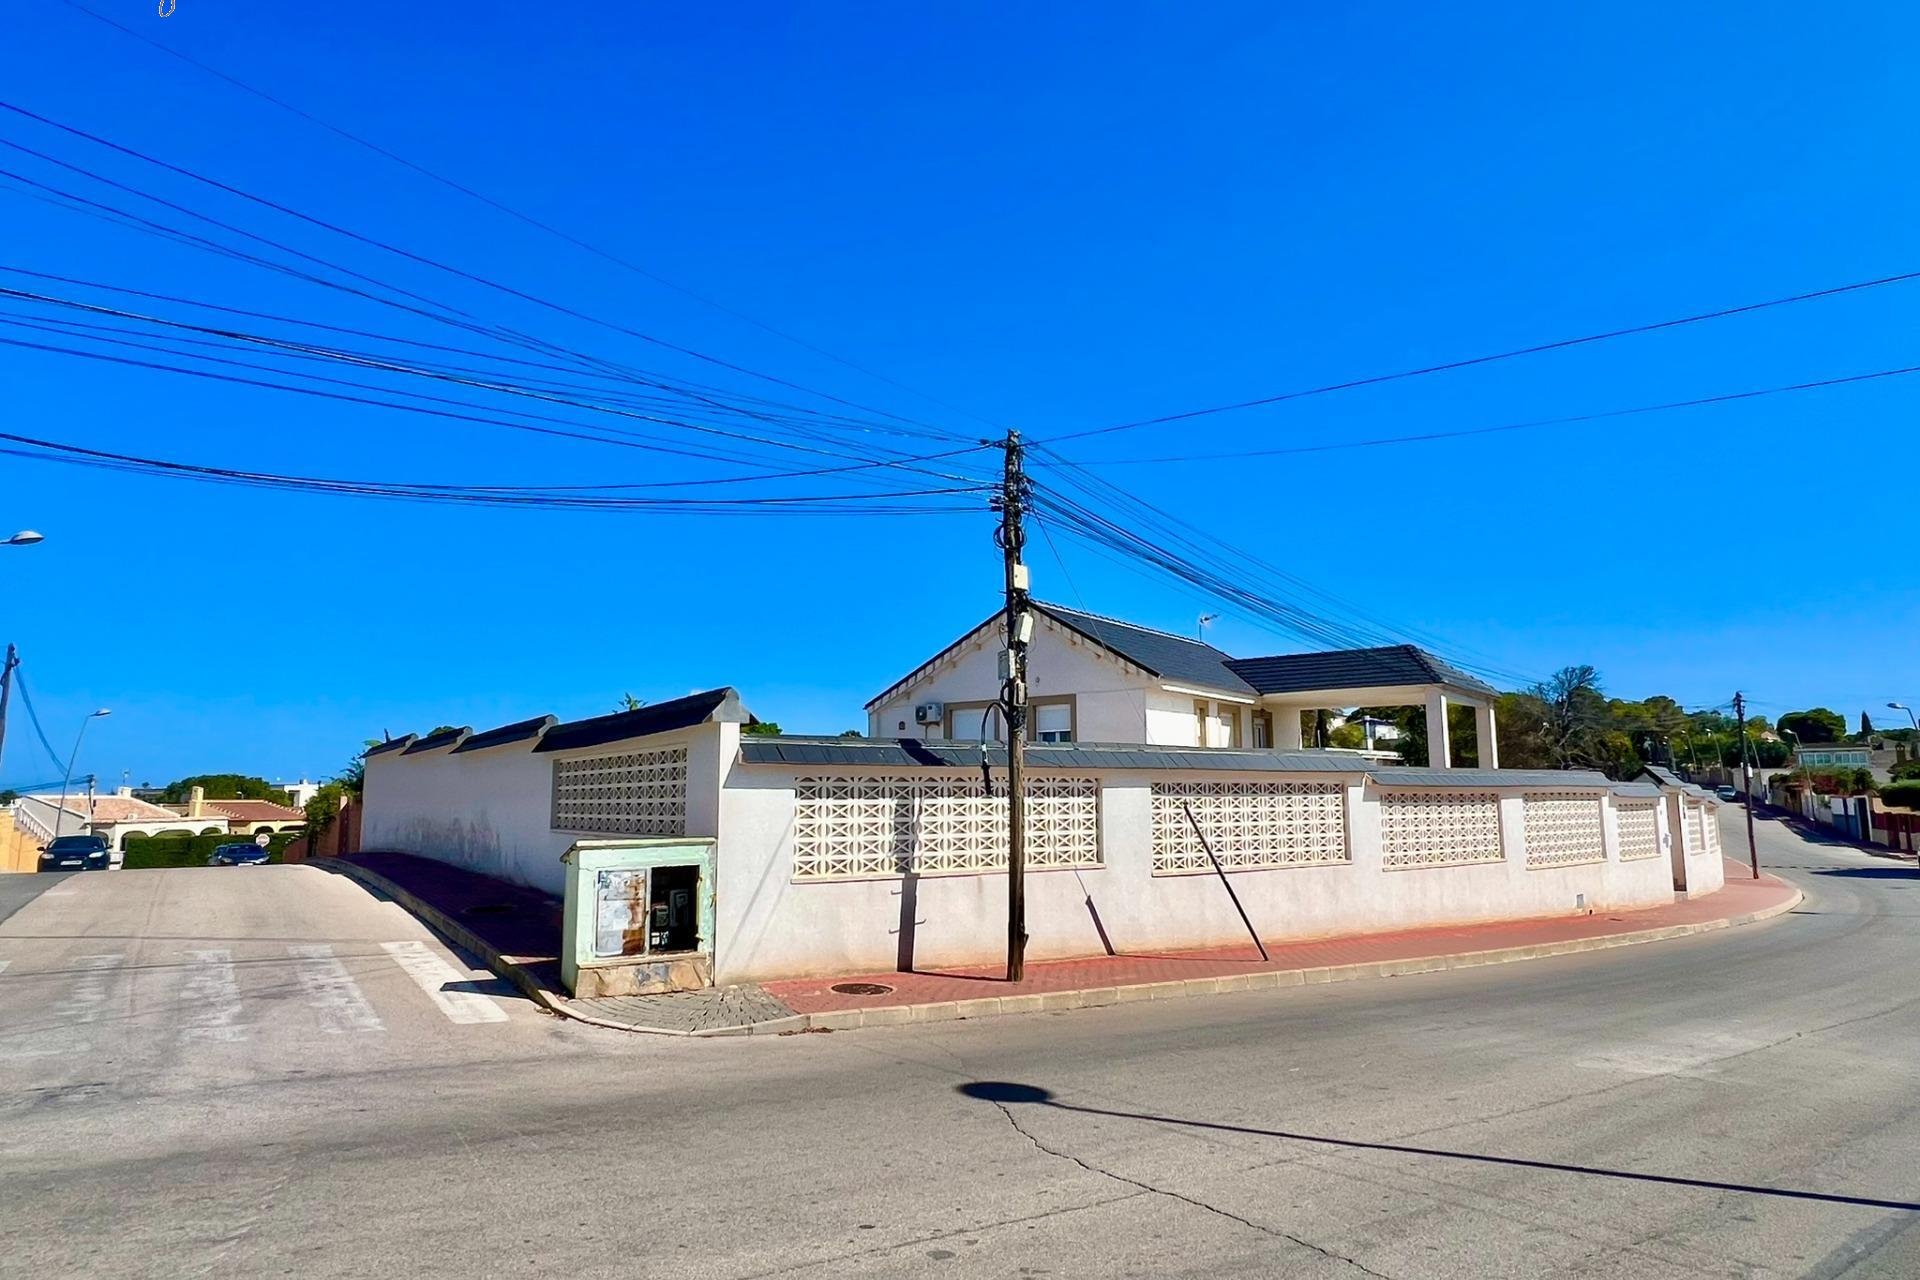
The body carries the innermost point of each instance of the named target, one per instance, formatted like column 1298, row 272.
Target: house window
column 1053, row 722
column 1200, row 718
column 1262, row 730
column 1230, row 725
column 977, row 723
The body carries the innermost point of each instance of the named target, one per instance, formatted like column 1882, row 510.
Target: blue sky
column 1057, row 217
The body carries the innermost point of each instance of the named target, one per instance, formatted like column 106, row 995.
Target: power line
column 532, row 497
column 33, row 718
column 1472, row 361
column 450, row 316
column 385, row 365
column 523, row 217
column 642, row 377
column 1569, row 420
column 421, row 259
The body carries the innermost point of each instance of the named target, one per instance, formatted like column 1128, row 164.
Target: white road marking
column 432, row 974
column 213, row 999
column 67, row 1038
column 90, row 989
column 332, row 990
column 4, row 964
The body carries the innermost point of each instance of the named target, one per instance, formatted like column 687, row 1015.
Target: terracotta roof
column 111, row 808
column 253, row 811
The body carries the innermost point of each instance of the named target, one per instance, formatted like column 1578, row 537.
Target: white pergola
column 1436, row 698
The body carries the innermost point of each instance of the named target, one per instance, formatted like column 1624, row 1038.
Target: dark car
column 239, row 855
column 76, row 853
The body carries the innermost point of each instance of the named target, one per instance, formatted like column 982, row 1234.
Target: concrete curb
column 1263, row 980
column 1038, row 1002
column 452, row 931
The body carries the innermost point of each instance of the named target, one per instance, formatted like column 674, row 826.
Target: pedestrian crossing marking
column 432, row 974
column 332, row 991
column 213, row 998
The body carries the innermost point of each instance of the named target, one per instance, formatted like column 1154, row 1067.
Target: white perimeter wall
column 491, row 811
column 770, row 926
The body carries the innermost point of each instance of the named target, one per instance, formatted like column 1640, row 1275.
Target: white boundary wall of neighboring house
column 1402, row 857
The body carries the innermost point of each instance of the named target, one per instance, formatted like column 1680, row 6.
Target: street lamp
column 1901, row 706
column 61, row 812
column 24, row 538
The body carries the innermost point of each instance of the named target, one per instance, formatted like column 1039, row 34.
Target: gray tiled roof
column 1166, row 655
column 1397, row 777
column 436, row 741
column 662, row 717
column 894, row 753
column 519, row 731
column 1397, row 664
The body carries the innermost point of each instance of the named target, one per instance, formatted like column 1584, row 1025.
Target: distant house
column 116, row 817
column 1098, row 679
column 237, row 817
column 1839, row 755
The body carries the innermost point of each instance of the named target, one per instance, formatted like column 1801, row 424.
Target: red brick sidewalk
column 1741, row 899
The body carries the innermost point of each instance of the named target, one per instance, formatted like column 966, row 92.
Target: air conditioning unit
column 930, row 713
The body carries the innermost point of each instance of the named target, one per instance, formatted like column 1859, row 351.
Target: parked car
column 76, row 853
column 239, row 855
column 1726, row 792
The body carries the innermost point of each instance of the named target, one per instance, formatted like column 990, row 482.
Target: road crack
column 1196, row 1203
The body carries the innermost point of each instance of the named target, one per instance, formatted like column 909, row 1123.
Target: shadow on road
column 1007, row 1093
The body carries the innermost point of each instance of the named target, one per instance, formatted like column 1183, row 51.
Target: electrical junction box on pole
column 638, row 917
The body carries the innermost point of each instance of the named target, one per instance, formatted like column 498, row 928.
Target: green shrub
column 1904, row 795
column 147, row 852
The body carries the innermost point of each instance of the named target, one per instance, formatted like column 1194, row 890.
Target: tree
column 1901, row 795
column 1816, row 725
column 629, row 703
column 852, row 733
column 763, row 729
column 1351, row 735
column 222, row 786
column 1905, row 771
column 8, row 797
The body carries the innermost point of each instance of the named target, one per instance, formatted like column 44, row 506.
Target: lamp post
column 24, row 538
column 61, row 812
column 1901, row 706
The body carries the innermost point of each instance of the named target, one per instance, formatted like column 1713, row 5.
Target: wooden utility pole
column 6, row 693
column 1746, row 779
column 1013, row 698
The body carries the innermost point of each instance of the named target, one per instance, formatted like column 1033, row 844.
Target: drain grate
column 862, row 988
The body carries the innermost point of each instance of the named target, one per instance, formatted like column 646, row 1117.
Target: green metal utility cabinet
column 639, row 917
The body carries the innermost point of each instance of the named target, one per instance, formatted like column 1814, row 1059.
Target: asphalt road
column 1737, row 1104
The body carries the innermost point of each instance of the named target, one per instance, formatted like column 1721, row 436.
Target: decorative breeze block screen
column 1709, row 830
column 1695, row 829
column 635, row 793
column 1249, row 824
column 1639, row 830
column 1562, row 828
column 863, row 827
column 1439, row 829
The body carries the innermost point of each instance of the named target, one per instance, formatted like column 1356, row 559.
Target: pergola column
column 1483, row 730
column 1439, row 748
column 1286, row 729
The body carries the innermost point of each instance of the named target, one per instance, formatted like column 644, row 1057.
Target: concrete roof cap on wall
column 720, row 706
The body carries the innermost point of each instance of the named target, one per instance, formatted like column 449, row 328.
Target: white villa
column 1097, row 679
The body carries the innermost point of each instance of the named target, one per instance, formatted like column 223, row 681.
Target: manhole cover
column 863, row 988
column 487, row 909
